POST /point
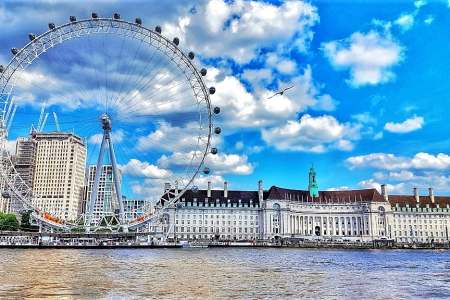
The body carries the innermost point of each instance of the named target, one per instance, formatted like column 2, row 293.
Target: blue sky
column 369, row 102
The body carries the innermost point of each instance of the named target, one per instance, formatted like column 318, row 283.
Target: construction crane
column 11, row 118
column 55, row 117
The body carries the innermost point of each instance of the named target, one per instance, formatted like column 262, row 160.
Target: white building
column 135, row 208
column 106, row 202
column 59, row 173
column 350, row 215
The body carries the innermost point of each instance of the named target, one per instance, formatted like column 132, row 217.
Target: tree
column 8, row 222
column 25, row 223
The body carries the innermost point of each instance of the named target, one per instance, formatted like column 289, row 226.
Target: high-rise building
column 58, row 173
column 106, row 202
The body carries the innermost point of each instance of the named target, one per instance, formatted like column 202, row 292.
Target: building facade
column 59, row 169
column 277, row 213
column 106, row 202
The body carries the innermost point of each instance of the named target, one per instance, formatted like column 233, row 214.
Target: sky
column 369, row 101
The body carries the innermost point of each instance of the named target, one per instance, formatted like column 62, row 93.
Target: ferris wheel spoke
column 128, row 73
column 142, row 74
column 158, row 81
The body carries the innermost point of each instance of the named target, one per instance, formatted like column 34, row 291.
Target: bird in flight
column 281, row 92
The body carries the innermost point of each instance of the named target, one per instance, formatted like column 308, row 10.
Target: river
column 221, row 273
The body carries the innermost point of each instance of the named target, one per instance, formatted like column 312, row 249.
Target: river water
column 233, row 273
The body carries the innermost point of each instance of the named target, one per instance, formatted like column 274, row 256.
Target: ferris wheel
column 114, row 79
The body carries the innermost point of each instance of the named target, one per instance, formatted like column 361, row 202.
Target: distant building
column 135, row 208
column 106, row 202
column 58, row 173
column 278, row 213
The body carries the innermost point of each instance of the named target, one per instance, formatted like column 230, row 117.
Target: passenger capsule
column 2, row 69
column 194, row 188
column 217, row 130
column 217, row 110
column 51, row 26
column 138, row 21
column 116, row 16
column 214, row 150
column 191, row 55
column 6, row 195
column 212, row 90
column 73, row 19
column 94, row 15
column 32, row 37
column 158, row 29
column 203, row 72
column 176, row 41
column 14, row 51
column 206, row 170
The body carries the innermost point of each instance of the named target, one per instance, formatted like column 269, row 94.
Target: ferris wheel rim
column 8, row 84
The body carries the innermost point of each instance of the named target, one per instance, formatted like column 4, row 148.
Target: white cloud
column 364, row 118
column 369, row 57
column 405, row 21
column 282, row 65
column 429, row 20
column 378, row 136
column 219, row 164
column 391, row 188
column 385, row 161
column 116, row 137
column 420, row 3
column 312, row 134
column 243, row 109
column 137, row 168
column 246, row 26
column 406, row 126
column 172, row 138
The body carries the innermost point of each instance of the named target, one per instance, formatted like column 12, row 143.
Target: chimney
column 384, row 192
column 431, row 194
column 416, row 195
column 260, row 191
column 166, row 187
column 209, row 190
column 225, row 189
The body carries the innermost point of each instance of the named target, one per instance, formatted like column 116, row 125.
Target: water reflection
column 224, row 273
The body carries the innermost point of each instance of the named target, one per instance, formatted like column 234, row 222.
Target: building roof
column 344, row 196
column 218, row 195
column 424, row 201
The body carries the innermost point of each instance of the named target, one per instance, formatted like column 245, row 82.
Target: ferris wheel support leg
column 117, row 184
column 94, row 193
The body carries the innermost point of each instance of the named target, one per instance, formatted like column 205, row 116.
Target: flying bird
column 281, row 92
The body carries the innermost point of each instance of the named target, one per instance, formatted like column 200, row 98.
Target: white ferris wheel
column 130, row 79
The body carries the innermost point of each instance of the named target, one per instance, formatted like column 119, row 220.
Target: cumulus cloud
column 220, row 163
column 243, row 109
column 245, row 27
column 312, row 134
column 429, row 20
column 405, row 21
column 387, row 161
column 406, row 126
column 116, row 137
column 137, row 168
column 369, row 57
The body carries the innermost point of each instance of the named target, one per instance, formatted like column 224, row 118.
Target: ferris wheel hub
column 105, row 119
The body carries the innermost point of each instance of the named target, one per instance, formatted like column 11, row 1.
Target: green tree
column 25, row 222
column 8, row 222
